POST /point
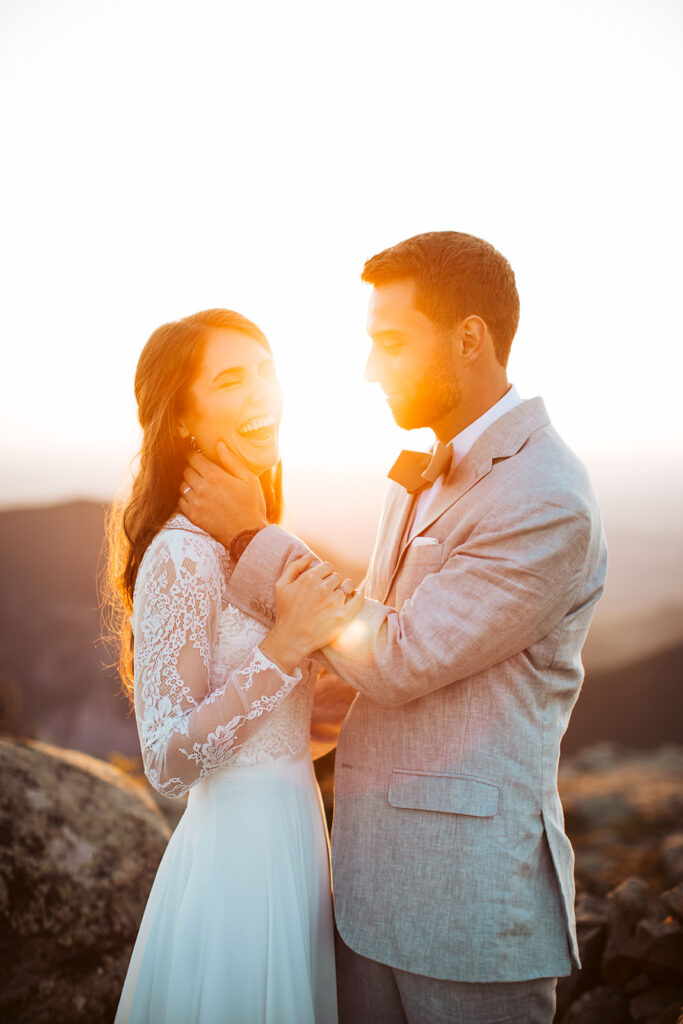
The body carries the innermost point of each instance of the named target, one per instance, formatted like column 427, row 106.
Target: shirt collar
column 463, row 442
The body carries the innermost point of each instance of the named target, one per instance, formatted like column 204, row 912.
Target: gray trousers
column 372, row 993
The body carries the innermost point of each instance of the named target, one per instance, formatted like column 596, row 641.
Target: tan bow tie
column 417, row 470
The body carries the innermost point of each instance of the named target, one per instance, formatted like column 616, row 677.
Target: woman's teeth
column 260, row 423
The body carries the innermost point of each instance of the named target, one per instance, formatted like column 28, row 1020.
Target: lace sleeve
column 186, row 729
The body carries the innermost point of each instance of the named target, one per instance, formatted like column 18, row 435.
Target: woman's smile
column 260, row 431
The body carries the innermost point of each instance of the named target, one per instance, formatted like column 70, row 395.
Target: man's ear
column 473, row 336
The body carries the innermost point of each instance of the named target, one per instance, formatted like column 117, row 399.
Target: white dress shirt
column 461, row 445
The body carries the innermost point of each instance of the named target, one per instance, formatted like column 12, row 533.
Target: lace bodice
column 205, row 694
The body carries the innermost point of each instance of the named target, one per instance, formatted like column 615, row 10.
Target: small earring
column 193, row 442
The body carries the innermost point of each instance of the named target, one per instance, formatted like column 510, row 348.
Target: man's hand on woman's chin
column 223, row 500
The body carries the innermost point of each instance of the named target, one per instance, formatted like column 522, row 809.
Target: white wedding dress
column 238, row 925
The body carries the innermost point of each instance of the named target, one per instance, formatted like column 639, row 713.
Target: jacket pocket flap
column 441, row 791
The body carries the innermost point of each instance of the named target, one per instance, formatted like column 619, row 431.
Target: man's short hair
column 456, row 276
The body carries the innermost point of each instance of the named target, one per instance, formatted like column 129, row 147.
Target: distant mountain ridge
column 55, row 684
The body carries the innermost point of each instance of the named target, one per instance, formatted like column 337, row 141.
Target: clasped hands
column 311, row 606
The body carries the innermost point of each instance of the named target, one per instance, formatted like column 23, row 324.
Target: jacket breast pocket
column 428, row 556
column 443, row 791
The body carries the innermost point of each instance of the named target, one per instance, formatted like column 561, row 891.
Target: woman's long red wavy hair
column 168, row 364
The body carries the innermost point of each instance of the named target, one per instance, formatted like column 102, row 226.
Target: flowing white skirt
column 238, row 925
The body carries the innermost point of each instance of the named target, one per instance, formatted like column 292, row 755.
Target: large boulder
column 79, row 847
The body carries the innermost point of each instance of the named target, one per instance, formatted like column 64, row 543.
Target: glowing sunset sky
column 164, row 157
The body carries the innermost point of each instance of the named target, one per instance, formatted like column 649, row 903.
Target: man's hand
column 223, row 500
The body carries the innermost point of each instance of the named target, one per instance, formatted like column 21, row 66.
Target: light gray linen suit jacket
column 449, row 852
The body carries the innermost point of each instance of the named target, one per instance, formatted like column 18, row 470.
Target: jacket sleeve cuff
column 252, row 584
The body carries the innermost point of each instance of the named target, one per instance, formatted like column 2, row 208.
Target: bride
column 238, row 925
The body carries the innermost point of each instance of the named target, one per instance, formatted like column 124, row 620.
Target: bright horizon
column 169, row 158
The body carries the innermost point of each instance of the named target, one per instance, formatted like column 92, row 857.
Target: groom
column 453, row 877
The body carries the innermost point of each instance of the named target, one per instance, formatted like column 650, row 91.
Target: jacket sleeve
column 508, row 586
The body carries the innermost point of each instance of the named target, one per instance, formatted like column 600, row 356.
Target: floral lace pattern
column 197, row 662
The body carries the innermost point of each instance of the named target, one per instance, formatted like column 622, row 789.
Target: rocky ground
column 624, row 815
column 81, row 839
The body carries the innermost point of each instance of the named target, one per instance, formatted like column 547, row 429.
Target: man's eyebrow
column 387, row 335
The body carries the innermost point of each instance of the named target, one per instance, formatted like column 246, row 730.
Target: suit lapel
column 503, row 438
column 399, row 506
column 461, row 479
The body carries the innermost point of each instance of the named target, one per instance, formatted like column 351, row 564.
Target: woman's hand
column 311, row 610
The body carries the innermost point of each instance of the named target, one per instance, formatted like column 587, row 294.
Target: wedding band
column 186, row 489
column 347, row 588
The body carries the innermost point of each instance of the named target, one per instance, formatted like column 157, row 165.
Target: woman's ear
column 181, row 429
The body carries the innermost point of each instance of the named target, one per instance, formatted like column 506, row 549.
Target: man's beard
column 428, row 400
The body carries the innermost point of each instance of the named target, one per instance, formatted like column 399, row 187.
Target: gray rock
column 672, row 858
column 602, row 1005
column 636, row 985
column 643, row 937
column 591, row 930
column 80, row 844
column 661, row 1005
column 673, row 901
